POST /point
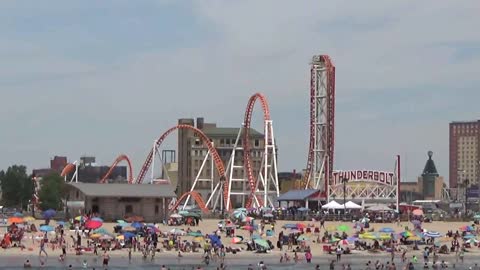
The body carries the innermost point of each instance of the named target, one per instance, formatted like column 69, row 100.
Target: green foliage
column 17, row 187
column 52, row 190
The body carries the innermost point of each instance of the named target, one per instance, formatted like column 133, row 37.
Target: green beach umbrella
column 302, row 238
column 343, row 228
column 195, row 234
column 262, row 243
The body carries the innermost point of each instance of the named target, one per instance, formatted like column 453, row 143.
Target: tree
column 51, row 193
column 17, row 187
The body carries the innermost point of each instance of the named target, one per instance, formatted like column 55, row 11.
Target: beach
column 14, row 257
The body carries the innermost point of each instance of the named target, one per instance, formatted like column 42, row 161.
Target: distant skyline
column 108, row 77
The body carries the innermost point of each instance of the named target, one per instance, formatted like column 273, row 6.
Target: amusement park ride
column 258, row 190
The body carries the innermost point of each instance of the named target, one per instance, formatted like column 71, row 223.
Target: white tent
column 332, row 205
column 379, row 208
column 351, row 205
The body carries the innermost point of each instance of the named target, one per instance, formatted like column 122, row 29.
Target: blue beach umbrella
column 46, row 228
column 128, row 235
column 432, row 234
column 97, row 219
column 48, row 214
column 18, row 214
column 137, row 225
column 386, row 230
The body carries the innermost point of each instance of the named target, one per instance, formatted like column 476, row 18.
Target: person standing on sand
column 42, row 248
column 106, row 259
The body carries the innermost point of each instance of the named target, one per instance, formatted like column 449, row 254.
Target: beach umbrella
column 384, row 236
column 195, row 234
column 106, row 237
column 302, row 238
column 477, row 216
column 417, row 212
column 386, row 230
column 240, row 215
column 368, row 236
column 128, row 235
column 28, row 219
column 123, row 225
column 262, row 243
column 18, row 214
column 49, row 214
column 93, row 224
column 137, row 225
column 121, row 221
column 15, row 220
column 352, row 239
column 175, row 216
column 406, row 234
column 97, row 219
column 46, row 228
column 301, row 226
column 236, row 240
column 120, row 237
column 95, row 236
column 469, row 236
column 177, row 231
column 343, row 228
column 101, row 231
column 80, row 218
column 290, row 226
column 247, row 219
column 466, row 228
column 432, row 234
column 472, row 241
column 183, row 212
column 241, row 209
column 268, row 215
column 198, row 239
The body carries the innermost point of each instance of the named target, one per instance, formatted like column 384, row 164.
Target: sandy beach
column 15, row 256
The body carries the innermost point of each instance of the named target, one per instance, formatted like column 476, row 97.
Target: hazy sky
column 108, row 77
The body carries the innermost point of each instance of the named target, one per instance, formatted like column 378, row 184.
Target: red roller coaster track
column 247, row 158
column 329, row 142
column 206, row 141
column 119, row 159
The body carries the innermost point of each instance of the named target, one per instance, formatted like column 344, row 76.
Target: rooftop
column 233, row 132
column 297, row 195
column 430, row 168
column 124, row 190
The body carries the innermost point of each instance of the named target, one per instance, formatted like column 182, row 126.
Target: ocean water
column 356, row 262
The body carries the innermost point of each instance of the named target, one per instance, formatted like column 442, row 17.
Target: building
column 90, row 172
column 288, row 181
column 192, row 152
column 429, row 186
column 56, row 166
column 117, row 201
column 464, row 153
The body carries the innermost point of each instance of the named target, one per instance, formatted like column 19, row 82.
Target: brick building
column 464, row 153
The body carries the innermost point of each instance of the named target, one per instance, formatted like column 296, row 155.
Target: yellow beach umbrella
column 120, row 237
column 28, row 219
column 331, row 228
column 385, row 236
column 95, row 236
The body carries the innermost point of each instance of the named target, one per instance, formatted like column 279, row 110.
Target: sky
column 109, row 77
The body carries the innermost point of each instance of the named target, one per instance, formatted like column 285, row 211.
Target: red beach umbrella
column 93, row 224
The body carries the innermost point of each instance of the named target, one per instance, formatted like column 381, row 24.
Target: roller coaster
column 262, row 189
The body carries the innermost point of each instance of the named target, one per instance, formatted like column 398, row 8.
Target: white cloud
column 260, row 46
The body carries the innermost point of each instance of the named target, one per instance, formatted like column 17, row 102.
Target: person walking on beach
column 42, row 248
column 106, row 259
column 339, row 253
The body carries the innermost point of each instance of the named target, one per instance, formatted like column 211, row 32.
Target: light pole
column 465, row 185
column 344, row 181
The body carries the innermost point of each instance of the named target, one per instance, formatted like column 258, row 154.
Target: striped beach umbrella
column 432, row 234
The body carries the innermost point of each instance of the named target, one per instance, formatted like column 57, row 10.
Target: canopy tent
column 379, row 207
column 332, row 205
column 351, row 205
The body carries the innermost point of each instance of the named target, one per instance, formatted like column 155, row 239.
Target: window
column 257, row 143
column 227, row 142
column 221, row 142
column 128, row 209
column 157, row 209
